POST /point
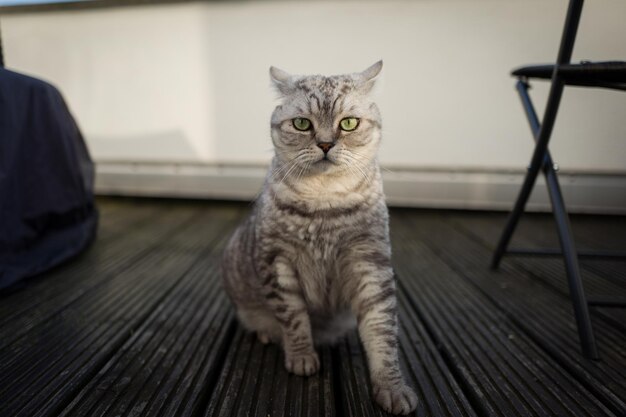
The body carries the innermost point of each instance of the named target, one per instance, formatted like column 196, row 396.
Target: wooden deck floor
column 139, row 326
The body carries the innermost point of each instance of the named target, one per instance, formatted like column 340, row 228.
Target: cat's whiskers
column 365, row 156
column 354, row 153
column 358, row 165
column 295, row 162
column 291, row 168
column 344, row 161
column 282, row 169
column 365, row 176
column 362, row 159
column 352, row 171
column 279, row 171
column 304, row 169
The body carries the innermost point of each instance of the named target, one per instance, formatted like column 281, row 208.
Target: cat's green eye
column 300, row 123
column 349, row 124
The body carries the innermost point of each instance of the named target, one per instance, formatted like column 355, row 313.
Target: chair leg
column 515, row 215
column 577, row 293
column 541, row 136
column 572, row 269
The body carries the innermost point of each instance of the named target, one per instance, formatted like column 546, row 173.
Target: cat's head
column 326, row 124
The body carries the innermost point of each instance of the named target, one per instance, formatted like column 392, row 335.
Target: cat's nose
column 325, row 146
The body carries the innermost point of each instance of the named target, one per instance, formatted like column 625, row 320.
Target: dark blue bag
column 47, row 210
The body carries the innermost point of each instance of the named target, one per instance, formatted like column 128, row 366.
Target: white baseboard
column 457, row 189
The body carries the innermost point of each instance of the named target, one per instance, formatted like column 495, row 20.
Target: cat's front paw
column 396, row 399
column 303, row 364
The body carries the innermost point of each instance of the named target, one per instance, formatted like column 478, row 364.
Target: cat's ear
column 367, row 78
column 282, row 81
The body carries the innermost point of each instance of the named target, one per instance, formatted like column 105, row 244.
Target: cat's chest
column 315, row 248
column 317, row 239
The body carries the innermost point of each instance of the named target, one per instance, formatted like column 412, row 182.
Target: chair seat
column 609, row 74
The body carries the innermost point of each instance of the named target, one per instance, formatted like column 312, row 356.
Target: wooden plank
column 544, row 316
column 41, row 300
column 139, row 325
column 504, row 372
column 438, row 389
column 189, row 324
column 590, row 233
column 254, row 382
column 539, row 231
column 78, row 342
column 425, row 370
column 355, row 387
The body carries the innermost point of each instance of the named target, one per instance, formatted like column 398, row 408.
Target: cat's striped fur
column 313, row 259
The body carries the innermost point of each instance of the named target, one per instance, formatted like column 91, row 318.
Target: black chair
column 585, row 74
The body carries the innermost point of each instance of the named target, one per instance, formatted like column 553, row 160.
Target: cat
column 313, row 259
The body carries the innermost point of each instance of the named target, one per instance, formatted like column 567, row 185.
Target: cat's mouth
column 323, row 164
column 325, row 160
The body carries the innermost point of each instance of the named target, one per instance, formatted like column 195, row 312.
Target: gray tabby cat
column 312, row 261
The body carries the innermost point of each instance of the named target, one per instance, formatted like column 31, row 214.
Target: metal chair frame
column 541, row 160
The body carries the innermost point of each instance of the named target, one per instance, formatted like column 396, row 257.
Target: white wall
column 189, row 82
column 137, row 79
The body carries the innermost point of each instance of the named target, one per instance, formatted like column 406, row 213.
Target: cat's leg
column 236, row 272
column 285, row 299
column 374, row 304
